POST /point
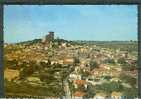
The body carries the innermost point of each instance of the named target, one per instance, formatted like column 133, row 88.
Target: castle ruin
column 48, row 38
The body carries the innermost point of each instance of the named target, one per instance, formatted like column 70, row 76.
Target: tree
column 48, row 78
column 93, row 65
column 13, row 64
column 28, row 69
column 122, row 61
column 72, row 88
column 110, row 61
column 90, row 91
column 107, row 77
column 128, row 79
column 76, row 60
column 130, row 92
column 110, row 87
column 128, row 67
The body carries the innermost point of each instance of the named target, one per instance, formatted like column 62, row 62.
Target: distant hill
column 30, row 42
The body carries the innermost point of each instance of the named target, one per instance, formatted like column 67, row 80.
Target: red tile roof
column 80, row 82
column 79, row 93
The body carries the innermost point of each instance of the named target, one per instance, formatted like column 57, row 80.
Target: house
column 116, row 95
column 80, row 83
column 131, row 61
column 60, row 61
column 64, row 45
column 68, row 60
column 73, row 76
column 119, row 69
column 79, row 94
column 84, row 62
column 104, row 66
column 83, row 50
column 115, row 79
column 34, row 79
column 77, row 69
column 53, row 62
column 126, row 85
column 100, row 96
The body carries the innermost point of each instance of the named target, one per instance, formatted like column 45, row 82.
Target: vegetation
column 128, row 79
column 29, row 90
column 132, row 92
column 110, row 87
column 122, row 61
column 93, row 65
column 109, row 61
column 53, row 75
column 90, row 91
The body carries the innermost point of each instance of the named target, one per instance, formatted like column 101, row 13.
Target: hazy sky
column 71, row 22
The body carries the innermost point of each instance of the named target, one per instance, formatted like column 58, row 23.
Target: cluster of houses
column 65, row 55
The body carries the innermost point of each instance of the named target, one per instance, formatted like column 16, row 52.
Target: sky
column 70, row 22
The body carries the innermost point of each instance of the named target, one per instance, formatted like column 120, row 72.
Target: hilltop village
column 71, row 69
